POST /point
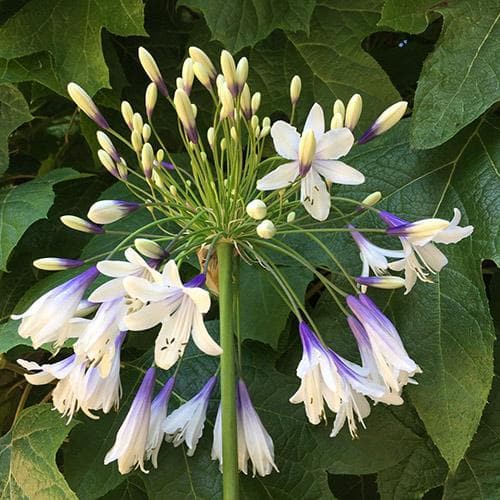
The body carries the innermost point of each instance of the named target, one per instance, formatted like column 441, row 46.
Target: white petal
column 334, row 144
column 316, row 121
column 135, row 258
column 200, row 297
column 142, row 289
column 108, row 291
column 338, row 172
column 280, row 177
column 171, row 274
column 148, row 316
column 116, row 268
column 202, row 338
column 286, row 140
column 315, row 196
column 453, row 234
column 432, row 257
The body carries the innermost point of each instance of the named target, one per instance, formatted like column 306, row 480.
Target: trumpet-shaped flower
column 421, row 256
column 391, row 359
column 186, row 423
column 179, row 307
column 48, row 318
column 341, row 384
column 49, row 371
column 312, row 157
column 131, row 441
column 156, row 421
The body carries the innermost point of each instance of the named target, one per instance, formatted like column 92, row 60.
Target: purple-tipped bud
column 152, row 70
column 385, row 121
column 57, row 264
column 86, row 104
column 385, row 282
column 108, row 211
column 82, row 225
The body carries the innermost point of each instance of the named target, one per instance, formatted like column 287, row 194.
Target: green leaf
column 460, row 79
column 71, row 34
column 331, row 60
column 27, row 456
column 240, row 23
column 263, row 312
column 410, row 16
column 14, row 111
column 22, row 205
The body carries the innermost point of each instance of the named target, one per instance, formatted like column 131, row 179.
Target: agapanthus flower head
column 329, row 146
column 48, row 319
column 179, row 307
column 393, row 362
column 185, row 424
column 131, row 441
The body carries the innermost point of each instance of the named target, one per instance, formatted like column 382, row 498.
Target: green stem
column 228, row 373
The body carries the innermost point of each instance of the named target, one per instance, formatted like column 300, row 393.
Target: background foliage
column 443, row 58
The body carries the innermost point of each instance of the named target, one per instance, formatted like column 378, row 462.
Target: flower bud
column 122, row 169
column 157, row 180
column 254, row 122
column 106, row 144
column 227, row 101
column 146, row 132
column 241, row 73
column 338, row 107
column 229, row 71
column 264, row 132
column 245, row 102
column 149, row 248
column 107, row 162
column 256, row 209
column 307, row 149
column 353, row 111
column 108, row 211
column 198, row 56
column 195, row 109
column 337, row 121
column 152, row 70
column 186, row 116
column 136, row 140
column 211, row 137
column 160, row 154
column 137, row 122
column 173, row 190
column 57, row 264
column 223, row 144
column 372, row 199
column 201, row 73
column 295, row 88
column 188, row 75
column 147, row 159
column 385, row 121
column 151, row 98
column 266, row 229
column 86, row 104
column 127, row 113
column 266, row 121
column 255, row 102
column 79, row 224
column 385, row 282
column 290, row 217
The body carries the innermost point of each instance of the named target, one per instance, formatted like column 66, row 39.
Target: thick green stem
column 228, row 373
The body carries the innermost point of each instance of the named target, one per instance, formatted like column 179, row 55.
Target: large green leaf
column 14, row 111
column 240, row 23
column 27, row 457
column 460, row 79
column 331, row 61
column 263, row 312
column 71, row 34
column 410, row 16
column 22, row 205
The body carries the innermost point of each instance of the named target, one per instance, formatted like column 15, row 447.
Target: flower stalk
column 228, row 372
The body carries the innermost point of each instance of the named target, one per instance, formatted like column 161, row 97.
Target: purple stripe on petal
column 163, row 396
column 206, row 390
column 391, row 219
column 198, row 281
column 368, row 280
column 369, row 134
column 358, row 331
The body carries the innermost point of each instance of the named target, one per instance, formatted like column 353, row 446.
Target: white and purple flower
column 179, row 307
column 393, row 363
column 312, row 156
column 185, row 424
column 49, row 318
column 108, row 211
column 131, row 441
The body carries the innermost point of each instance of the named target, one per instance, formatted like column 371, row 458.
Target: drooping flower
column 341, row 384
column 421, row 256
column 185, row 424
column 156, row 421
column 312, row 156
column 256, row 443
column 48, row 319
column 129, row 448
column 179, row 307
column 48, row 371
column 393, row 362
